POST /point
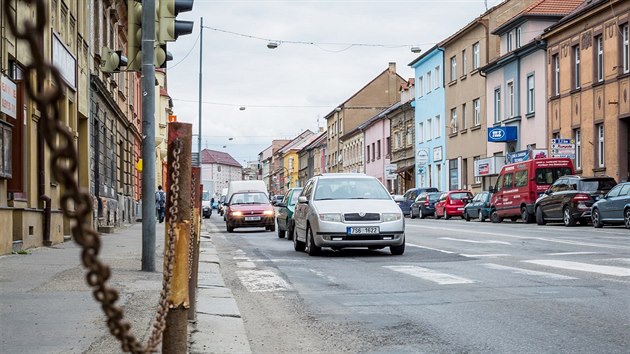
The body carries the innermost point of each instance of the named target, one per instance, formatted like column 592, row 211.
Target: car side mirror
column 399, row 198
column 548, row 192
column 302, row 199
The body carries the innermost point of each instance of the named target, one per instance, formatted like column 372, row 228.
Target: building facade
column 376, row 131
column 219, row 168
column 430, row 130
column 402, row 133
column 588, row 75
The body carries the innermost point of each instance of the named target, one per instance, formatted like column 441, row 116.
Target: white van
column 249, row 185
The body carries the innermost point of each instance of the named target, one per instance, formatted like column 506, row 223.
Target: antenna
column 485, row 2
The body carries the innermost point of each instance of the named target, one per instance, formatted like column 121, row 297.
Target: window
column 409, row 137
column 555, row 60
column 464, row 62
column 453, row 68
column 511, row 108
column 599, row 40
column 6, row 133
column 578, row 148
column 600, row 145
column 509, row 41
column 625, row 49
column 576, row 67
column 437, row 127
column 507, row 180
column 429, row 127
column 520, row 179
column 428, row 81
column 453, row 124
column 518, row 37
column 436, row 83
column 388, row 147
column 453, row 174
column 378, row 150
column 373, row 151
column 497, row 105
column 476, row 61
column 420, row 87
column 476, row 112
column 477, row 178
column 464, row 124
column 530, row 93
column 367, row 155
column 420, row 132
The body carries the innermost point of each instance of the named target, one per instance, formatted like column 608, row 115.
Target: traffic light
column 112, row 60
column 169, row 27
column 134, row 35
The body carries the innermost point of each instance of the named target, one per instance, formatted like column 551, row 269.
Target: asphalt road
column 460, row 287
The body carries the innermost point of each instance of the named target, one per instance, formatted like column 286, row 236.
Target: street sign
column 563, row 148
column 390, row 171
column 423, row 156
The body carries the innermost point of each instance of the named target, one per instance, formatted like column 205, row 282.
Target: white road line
column 246, row 264
column 329, row 278
column 475, row 241
column 583, row 267
column 616, row 260
column 261, row 280
column 570, row 253
column 484, row 255
column 485, row 233
column 428, row 248
column 528, row 272
column 430, row 275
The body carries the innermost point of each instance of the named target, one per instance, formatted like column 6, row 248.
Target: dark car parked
column 424, row 205
column 478, row 207
column 613, row 208
column 410, row 197
column 569, row 199
column 284, row 217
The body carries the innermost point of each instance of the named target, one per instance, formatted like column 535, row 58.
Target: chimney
column 392, row 68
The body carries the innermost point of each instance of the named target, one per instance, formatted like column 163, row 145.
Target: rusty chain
column 193, row 234
column 76, row 204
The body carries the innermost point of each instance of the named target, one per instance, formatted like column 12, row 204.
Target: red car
column 452, row 203
column 249, row 209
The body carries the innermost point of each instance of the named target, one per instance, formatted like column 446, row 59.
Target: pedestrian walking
column 160, row 203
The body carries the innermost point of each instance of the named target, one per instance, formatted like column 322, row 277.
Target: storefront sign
column 390, row 171
column 488, row 166
column 437, row 154
column 8, row 96
column 502, row 134
column 563, row 148
column 63, row 59
column 423, row 156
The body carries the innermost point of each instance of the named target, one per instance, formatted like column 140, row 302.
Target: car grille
column 366, row 217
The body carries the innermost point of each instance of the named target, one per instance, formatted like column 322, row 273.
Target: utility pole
column 200, row 88
column 148, row 135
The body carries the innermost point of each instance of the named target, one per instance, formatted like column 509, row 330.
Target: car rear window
column 551, row 174
column 434, row 196
column 597, row 185
column 460, row 196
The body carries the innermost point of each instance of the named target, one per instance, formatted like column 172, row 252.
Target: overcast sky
column 286, row 90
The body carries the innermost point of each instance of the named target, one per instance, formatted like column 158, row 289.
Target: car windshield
column 350, row 188
column 294, row 196
column 460, row 195
column 597, row 185
column 249, row 198
column 550, row 175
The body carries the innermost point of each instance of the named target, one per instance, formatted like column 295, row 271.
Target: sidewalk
column 46, row 306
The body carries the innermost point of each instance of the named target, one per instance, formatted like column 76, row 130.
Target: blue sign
column 502, row 134
column 518, row 156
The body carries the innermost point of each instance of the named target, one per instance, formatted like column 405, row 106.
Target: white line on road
column 246, row 264
column 583, row 267
column 491, row 255
column 430, row 275
column 570, row 253
column 616, row 260
column 475, row 241
column 428, row 248
column 261, row 280
column 528, row 272
column 485, row 233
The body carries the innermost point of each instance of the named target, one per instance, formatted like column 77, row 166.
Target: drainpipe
column 41, row 186
column 47, row 217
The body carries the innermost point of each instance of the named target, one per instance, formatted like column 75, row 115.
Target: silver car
column 340, row 210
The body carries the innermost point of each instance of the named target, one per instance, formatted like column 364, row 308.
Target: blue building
column 430, row 137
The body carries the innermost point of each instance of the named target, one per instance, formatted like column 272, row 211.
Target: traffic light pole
column 148, row 134
column 200, row 88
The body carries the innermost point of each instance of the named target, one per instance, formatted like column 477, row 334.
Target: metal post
column 175, row 337
column 197, row 217
column 148, row 133
column 200, row 88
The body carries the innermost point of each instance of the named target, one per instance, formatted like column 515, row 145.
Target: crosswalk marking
column 570, row 253
column 262, row 280
column 528, row 272
column 430, row 275
column 475, row 241
column 584, row 267
column 489, row 255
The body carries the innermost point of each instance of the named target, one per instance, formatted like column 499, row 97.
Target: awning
column 403, row 169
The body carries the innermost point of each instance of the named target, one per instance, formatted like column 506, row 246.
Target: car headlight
column 391, row 216
column 331, row 217
column 237, row 213
column 268, row 212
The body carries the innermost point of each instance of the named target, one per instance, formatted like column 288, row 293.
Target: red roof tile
column 218, row 157
column 552, row 7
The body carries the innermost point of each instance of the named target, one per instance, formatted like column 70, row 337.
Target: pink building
column 377, row 146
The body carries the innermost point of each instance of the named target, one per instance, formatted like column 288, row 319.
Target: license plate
column 252, row 218
column 364, row 230
column 462, row 209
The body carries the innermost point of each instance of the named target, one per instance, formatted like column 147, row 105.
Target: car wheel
column 494, row 217
column 272, row 228
column 526, row 216
column 411, row 214
column 540, row 218
column 466, row 216
column 281, row 232
column 422, row 216
column 298, row 245
column 446, row 216
column 596, row 218
column 228, row 227
column 397, row 250
column 567, row 219
column 480, row 216
column 437, row 215
column 290, row 232
column 311, row 248
column 626, row 218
